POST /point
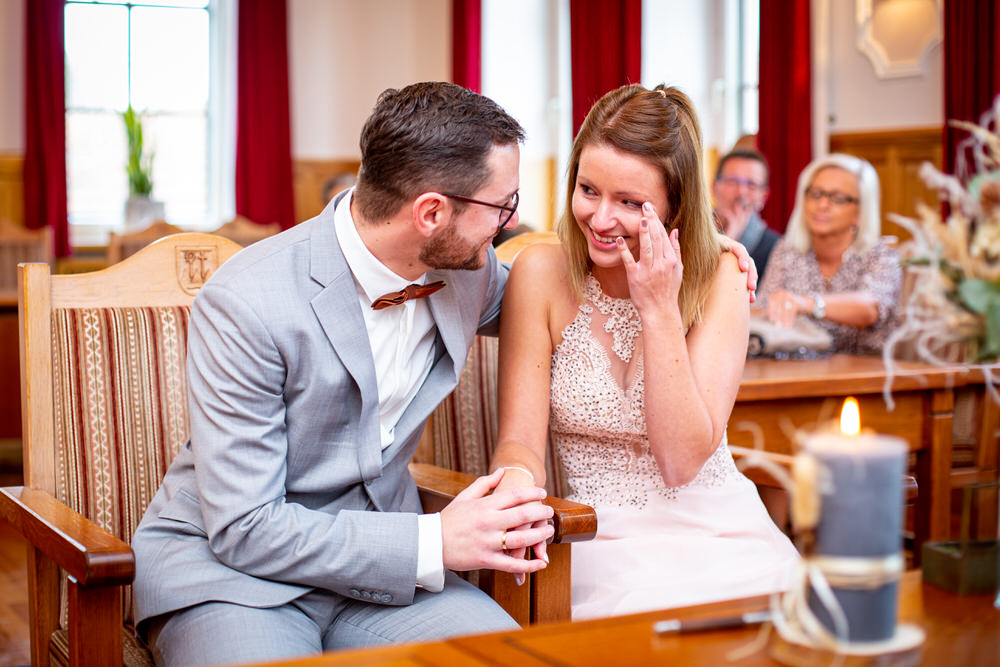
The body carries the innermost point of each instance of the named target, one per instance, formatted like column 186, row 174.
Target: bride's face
column 611, row 186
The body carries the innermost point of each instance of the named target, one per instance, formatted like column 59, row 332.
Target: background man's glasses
column 836, row 198
column 506, row 212
column 736, row 181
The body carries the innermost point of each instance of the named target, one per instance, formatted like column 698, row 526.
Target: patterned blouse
column 876, row 272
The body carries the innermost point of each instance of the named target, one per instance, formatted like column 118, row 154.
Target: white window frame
column 221, row 132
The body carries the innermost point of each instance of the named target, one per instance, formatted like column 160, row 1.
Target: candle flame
column 850, row 417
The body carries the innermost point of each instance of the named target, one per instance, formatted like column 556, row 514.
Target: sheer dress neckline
column 597, row 417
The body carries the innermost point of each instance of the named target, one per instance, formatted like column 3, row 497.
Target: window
column 167, row 59
column 749, row 53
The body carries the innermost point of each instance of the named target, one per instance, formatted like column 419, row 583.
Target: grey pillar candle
column 861, row 517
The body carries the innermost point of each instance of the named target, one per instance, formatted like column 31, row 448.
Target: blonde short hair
column 869, row 214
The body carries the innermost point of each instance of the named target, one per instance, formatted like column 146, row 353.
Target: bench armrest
column 87, row 552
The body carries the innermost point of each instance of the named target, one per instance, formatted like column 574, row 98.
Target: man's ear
column 431, row 212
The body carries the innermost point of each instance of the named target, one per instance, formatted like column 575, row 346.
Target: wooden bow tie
column 408, row 292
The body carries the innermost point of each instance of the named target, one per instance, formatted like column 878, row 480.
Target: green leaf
column 951, row 271
column 140, row 163
column 978, row 294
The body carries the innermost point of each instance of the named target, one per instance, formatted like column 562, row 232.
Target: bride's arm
column 691, row 386
column 690, row 381
column 523, row 373
column 524, row 363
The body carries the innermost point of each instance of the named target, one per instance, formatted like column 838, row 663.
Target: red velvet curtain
column 605, row 49
column 263, row 125
column 45, row 122
column 971, row 66
column 466, row 43
column 785, row 134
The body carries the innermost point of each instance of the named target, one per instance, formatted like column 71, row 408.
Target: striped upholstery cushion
column 120, row 394
column 465, row 424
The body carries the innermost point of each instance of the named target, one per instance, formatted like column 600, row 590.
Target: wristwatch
column 819, row 306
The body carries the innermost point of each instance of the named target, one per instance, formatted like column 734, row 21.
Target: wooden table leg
column 988, row 437
column 939, row 484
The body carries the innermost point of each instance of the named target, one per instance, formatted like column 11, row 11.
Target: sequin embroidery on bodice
column 597, row 418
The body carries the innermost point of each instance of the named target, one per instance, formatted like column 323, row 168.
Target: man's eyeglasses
column 836, row 198
column 736, row 181
column 506, row 212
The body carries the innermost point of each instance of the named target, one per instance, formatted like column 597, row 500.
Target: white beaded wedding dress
column 656, row 546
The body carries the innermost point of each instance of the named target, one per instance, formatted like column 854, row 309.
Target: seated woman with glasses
column 832, row 264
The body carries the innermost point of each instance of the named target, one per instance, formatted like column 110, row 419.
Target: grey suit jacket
column 283, row 486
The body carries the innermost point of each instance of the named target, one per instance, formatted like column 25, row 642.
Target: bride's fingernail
column 619, row 241
column 519, row 578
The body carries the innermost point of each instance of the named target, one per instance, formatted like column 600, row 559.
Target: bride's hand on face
column 655, row 278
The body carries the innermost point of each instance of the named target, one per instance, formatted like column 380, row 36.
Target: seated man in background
column 740, row 192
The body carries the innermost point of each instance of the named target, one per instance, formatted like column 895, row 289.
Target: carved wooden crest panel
column 194, row 265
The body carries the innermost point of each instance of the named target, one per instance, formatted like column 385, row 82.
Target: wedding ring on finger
column 503, row 542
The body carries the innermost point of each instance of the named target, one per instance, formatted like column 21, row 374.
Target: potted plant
column 140, row 208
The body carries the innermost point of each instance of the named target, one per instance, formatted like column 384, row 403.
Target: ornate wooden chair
column 103, row 389
column 18, row 244
column 127, row 244
column 244, row 231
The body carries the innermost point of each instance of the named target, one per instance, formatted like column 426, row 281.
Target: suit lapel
column 446, row 308
column 339, row 314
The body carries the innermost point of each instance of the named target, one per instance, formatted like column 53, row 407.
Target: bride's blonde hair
column 660, row 127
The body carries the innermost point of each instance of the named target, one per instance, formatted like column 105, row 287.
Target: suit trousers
column 225, row 633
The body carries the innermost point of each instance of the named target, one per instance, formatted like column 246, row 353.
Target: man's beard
column 450, row 251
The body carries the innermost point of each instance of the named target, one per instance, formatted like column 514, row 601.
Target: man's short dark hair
column 744, row 154
column 429, row 136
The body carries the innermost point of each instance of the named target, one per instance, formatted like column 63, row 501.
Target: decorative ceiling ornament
column 898, row 36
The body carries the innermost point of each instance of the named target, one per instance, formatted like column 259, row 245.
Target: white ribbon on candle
column 859, row 573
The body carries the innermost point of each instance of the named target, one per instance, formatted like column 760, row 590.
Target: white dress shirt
column 402, row 344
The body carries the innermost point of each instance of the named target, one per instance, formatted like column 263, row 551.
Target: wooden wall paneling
column 896, row 156
column 12, row 187
column 308, row 177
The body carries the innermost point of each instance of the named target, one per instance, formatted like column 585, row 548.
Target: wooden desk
column 960, row 631
column 781, row 396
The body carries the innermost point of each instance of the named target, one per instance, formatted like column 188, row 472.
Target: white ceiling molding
column 898, row 35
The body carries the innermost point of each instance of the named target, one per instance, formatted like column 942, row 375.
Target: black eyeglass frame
column 835, row 198
column 511, row 210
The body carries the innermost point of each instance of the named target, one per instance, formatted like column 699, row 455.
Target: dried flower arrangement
column 952, row 313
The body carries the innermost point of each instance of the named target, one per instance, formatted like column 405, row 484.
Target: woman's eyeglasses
column 506, row 212
column 836, row 198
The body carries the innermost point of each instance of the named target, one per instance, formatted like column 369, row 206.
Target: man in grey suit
column 288, row 524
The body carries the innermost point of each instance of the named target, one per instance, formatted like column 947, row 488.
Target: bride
column 626, row 346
